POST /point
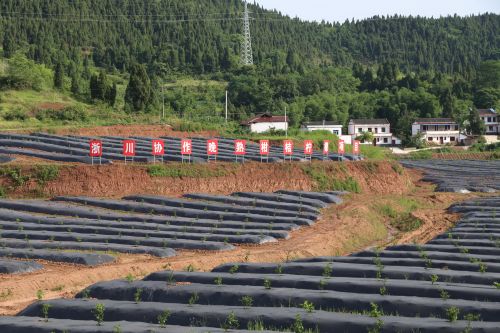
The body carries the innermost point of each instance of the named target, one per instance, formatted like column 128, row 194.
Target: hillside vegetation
column 119, row 61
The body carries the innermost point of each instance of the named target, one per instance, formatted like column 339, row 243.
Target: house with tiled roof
column 438, row 131
column 266, row 122
column 491, row 120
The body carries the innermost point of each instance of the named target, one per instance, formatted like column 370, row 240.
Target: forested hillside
column 123, row 53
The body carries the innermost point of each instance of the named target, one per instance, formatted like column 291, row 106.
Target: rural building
column 491, row 120
column 437, row 130
column 266, row 122
column 332, row 127
column 381, row 129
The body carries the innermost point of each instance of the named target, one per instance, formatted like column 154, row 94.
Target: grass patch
column 399, row 213
column 327, row 179
column 188, row 171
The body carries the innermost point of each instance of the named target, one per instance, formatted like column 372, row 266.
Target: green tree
column 487, row 98
column 476, row 125
column 138, row 94
column 59, row 76
column 365, row 137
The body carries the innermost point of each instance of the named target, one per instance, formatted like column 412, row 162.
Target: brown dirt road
column 351, row 226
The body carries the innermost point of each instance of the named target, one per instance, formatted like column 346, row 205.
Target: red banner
column 264, row 147
column 326, row 147
column 240, row 147
column 128, row 148
column 212, row 147
column 341, row 147
column 288, row 147
column 95, row 148
column 186, row 147
column 158, row 147
column 308, row 147
column 356, row 147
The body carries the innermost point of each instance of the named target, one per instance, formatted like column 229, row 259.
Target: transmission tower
column 246, row 45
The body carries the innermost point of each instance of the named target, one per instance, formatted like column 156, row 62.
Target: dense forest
column 395, row 67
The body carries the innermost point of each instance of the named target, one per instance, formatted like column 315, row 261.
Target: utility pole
column 286, row 125
column 226, row 106
column 246, row 45
column 162, row 102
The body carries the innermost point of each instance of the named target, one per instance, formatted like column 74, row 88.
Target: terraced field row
column 76, row 149
column 460, row 176
column 34, row 229
column 450, row 284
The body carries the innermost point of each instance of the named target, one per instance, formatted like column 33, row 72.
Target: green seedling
column 218, row 281
column 452, row 313
column 193, row 299
column 247, row 301
column 39, row 294
column 308, row 306
column 267, row 283
column 434, row 278
column 45, row 311
column 234, row 269
column 138, row 295
column 163, row 318
column 99, row 313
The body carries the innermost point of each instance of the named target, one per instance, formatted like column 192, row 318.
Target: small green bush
column 16, row 114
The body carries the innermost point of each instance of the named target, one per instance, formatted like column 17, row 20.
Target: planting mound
column 8, row 266
column 450, row 287
column 76, row 149
column 5, row 159
column 148, row 224
column 460, row 176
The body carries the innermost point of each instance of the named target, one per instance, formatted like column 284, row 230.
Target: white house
column 381, row 129
column 491, row 120
column 266, row 122
column 332, row 127
column 437, row 130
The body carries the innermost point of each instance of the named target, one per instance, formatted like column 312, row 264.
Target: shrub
column 163, row 318
column 193, row 299
column 218, row 281
column 231, row 322
column 247, row 301
column 45, row 311
column 39, row 294
column 452, row 313
column 267, row 283
column 69, row 113
column 99, row 313
column 138, row 295
column 46, row 173
column 16, row 114
column 234, row 269
column 308, row 306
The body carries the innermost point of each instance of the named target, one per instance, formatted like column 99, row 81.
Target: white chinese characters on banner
column 326, row 147
column 288, row 147
column 308, row 147
column 212, row 147
column 239, row 147
column 129, row 148
column 158, row 147
column 186, row 147
column 95, row 148
column 264, row 147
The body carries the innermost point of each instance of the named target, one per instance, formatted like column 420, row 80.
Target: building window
column 436, row 127
column 452, row 138
column 369, row 129
column 489, row 119
column 378, row 139
column 336, row 132
column 360, row 130
column 383, row 129
column 429, row 138
column 424, row 128
column 447, row 127
column 385, row 140
column 456, row 127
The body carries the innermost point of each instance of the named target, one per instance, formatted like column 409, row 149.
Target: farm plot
column 450, row 284
column 8, row 266
column 76, row 149
column 141, row 224
column 460, row 176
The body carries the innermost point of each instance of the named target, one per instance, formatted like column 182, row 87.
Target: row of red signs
column 158, row 147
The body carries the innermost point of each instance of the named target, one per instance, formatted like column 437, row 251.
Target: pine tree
column 111, row 95
column 59, row 76
column 75, row 83
column 138, row 94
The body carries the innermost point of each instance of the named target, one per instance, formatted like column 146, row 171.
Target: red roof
column 265, row 118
